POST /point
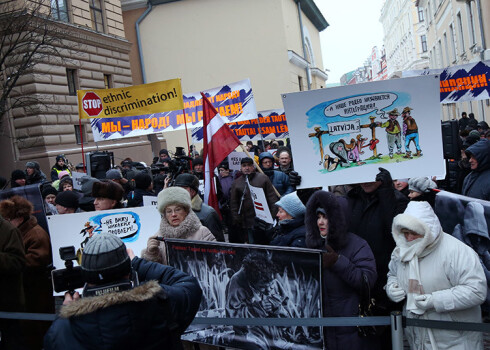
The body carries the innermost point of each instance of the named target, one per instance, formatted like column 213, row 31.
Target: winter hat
column 87, row 184
column 58, row 157
column 63, row 174
column 197, row 161
column 142, row 180
column 79, row 166
column 172, row 196
column 107, row 189
column 187, row 180
column 18, row 174
column 292, row 205
column 67, row 199
column 224, row 165
column 47, row 190
column 246, row 160
column 105, row 259
column 113, row 174
column 33, row 165
column 421, row 184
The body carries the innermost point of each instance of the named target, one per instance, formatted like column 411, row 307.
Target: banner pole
column 260, row 133
column 187, row 137
column 81, row 141
column 258, row 167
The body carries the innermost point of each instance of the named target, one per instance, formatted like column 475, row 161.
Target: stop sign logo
column 92, row 104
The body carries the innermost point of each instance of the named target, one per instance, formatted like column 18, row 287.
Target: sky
column 354, row 29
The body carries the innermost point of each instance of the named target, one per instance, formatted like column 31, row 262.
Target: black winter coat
column 371, row 217
column 150, row 316
column 290, row 234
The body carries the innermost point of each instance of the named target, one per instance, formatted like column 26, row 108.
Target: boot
column 408, row 155
column 419, row 153
column 334, row 164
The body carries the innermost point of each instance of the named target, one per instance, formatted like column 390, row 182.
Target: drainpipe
column 308, row 76
column 138, row 40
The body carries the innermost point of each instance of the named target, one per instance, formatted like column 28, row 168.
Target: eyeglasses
column 177, row 210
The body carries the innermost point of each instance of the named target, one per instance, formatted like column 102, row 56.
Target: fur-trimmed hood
column 337, row 228
column 89, row 305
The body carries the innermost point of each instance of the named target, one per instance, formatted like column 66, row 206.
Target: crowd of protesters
column 384, row 232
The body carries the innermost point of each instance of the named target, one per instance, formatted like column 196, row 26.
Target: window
column 452, row 38
column 108, row 81
column 72, row 79
column 440, row 59
column 77, row 134
column 97, row 15
column 471, row 22
column 446, row 49
column 423, row 40
column 59, row 10
column 300, row 83
column 421, row 14
column 460, row 33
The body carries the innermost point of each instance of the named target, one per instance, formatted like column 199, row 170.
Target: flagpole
column 258, row 167
column 187, row 135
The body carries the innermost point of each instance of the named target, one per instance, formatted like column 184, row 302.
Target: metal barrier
column 396, row 320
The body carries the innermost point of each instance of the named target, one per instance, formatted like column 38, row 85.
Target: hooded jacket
column 477, row 183
column 441, row 266
column 279, row 179
column 290, row 233
column 342, row 282
column 150, row 316
column 208, row 217
column 474, row 233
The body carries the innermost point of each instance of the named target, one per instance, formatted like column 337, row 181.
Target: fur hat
column 172, row 196
column 187, row 180
column 107, row 189
column 421, row 184
column 16, row 207
column 105, row 259
column 197, row 161
column 18, row 174
column 292, row 205
column 67, row 199
column 33, row 164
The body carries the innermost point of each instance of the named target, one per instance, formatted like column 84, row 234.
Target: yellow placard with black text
column 131, row 101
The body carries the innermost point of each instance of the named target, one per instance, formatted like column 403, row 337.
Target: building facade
column 458, row 32
column 98, row 58
column 275, row 43
column 405, row 37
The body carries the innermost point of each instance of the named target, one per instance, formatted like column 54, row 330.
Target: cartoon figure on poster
column 348, row 132
column 125, row 225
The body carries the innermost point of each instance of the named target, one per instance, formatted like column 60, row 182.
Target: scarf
column 186, row 228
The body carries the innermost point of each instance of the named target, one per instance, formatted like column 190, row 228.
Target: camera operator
column 115, row 312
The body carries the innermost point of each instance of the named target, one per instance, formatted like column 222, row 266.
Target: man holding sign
column 243, row 207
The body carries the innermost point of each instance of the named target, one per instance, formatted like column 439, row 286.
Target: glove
column 261, row 225
column 424, row 301
column 329, row 258
column 294, row 178
column 385, row 177
column 153, row 246
column 395, row 293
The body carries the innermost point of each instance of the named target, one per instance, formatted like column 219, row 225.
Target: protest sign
column 234, row 160
column 468, row 82
column 224, row 273
column 234, row 102
column 260, row 203
column 268, row 125
column 76, row 177
column 132, row 225
column 343, row 135
column 150, row 201
column 130, row 101
column 33, row 194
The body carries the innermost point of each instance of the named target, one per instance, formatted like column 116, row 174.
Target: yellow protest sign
column 131, row 101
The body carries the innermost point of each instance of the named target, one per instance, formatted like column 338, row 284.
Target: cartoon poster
column 249, row 281
column 344, row 135
column 132, row 225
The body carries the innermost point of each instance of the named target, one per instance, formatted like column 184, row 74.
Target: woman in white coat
column 439, row 278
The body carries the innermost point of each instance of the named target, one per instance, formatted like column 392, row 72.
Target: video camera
column 176, row 166
column 69, row 278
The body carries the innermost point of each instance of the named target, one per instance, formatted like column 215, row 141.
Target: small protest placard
column 260, row 204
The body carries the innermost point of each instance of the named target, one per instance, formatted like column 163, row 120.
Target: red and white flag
column 219, row 141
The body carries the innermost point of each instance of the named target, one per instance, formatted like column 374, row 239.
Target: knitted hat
column 105, row 259
column 292, row 205
column 67, row 199
column 113, row 174
column 47, row 190
column 187, row 180
column 173, row 196
column 142, row 180
column 62, row 174
column 421, row 184
column 18, row 174
column 246, row 160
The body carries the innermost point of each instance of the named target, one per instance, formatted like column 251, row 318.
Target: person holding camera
column 117, row 313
